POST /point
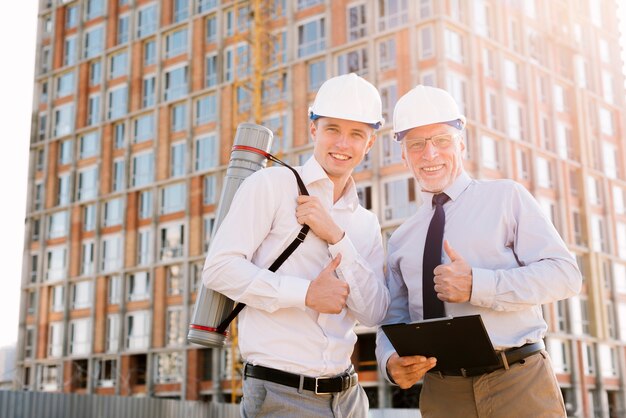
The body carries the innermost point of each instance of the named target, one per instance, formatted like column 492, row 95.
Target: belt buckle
column 317, row 380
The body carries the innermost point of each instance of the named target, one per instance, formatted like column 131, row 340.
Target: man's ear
column 404, row 160
column 313, row 130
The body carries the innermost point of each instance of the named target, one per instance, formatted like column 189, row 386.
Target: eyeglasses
column 439, row 141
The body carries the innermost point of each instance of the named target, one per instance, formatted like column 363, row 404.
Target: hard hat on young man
column 348, row 97
column 425, row 105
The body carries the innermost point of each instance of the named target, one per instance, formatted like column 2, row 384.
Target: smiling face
column 434, row 168
column 340, row 146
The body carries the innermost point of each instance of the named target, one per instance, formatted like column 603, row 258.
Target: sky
column 18, row 31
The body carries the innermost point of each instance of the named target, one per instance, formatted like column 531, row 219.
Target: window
column 172, row 241
column 317, row 74
column 38, row 196
column 144, row 128
column 55, row 339
column 179, row 117
column 89, row 145
column 598, row 233
column 608, row 361
column 119, row 65
column 81, row 295
column 114, row 289
column 311, row 38
column 105, row 372
column 112, row 256
column 138, row 286
column 207, row 153
column 119, row 135
column 95, row 73
column 174, row 279
column 606, row 121
column 70, row 53
column 242, row 60
column 388, row 94
column 211, row 29
column 143, row 169
column 29, row 343
column 206, row 110
column 544, row 173
column 176, row 43
column 229, row 29
column 205, row 5
column 149, row 84
column 145, row 204
column 63, row 120
column 559, row 354
column 118, row 102
column 93, row 110
column 278, row 51
column 71, row 16
column 137, row 330
column 89, row 217
column 177, row 159
column 392, row 13
column 392, row 151
column 144, row 247
column 515, row 120
column 175, row 83
column 399, row 199
column 175, row 327
column 41, row 126
column 173, row 198
column 46, row 54
column 387, row 54
column 58, row 226
column 211, row 71
column 147, row 21
column 277, row 123
column 454, row 46
column 63, row 191
column 113, row 331
column 31, row 302
column 118, row 174
column 511, row 75
column 619, row 200
column 180, row 10
column 208, row 223
column 357, row 23
column 490, row 153
column 365, row 196
column 243, row 18
column 427, row 47
column 48, row 378
column 65, row 84
column 95, row 8
column 58, row 298
column 523, row 164
column 80, row 336
column 353, row 62
column 168, row 368
column 88, row 258
column 34, row 268
column 94, row 41
column 113, row 210
column 149, row 53
column 123, row 29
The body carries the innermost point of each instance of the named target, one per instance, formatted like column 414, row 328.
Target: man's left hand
column 453, row 281
column 311, row 212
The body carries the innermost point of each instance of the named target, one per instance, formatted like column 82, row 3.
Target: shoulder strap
column 287, row 252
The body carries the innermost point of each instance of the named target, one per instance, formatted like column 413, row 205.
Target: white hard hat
column 425, row 105
column 348, row 97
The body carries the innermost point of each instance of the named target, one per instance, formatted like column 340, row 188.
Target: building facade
column 135, row 108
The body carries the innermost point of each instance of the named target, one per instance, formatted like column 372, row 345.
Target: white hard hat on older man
column 425, row 105
column 348, row 97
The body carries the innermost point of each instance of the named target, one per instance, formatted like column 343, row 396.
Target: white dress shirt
column 518, row 260
column 276, row 329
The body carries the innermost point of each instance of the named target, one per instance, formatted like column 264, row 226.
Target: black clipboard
column 458, row 343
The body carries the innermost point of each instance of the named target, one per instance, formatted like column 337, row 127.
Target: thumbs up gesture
column 327, row 294
column 453, row 281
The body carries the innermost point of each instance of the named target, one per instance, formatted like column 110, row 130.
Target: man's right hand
column 407, row 371
column 327, row 294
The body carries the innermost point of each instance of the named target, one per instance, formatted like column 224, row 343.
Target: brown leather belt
column 512, row 356
column 319, row 385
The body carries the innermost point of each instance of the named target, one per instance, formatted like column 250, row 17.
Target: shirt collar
column 454, row 190
column 313, row 172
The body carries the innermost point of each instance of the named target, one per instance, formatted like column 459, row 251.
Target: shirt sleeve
column 369, row 298
column 228, row 268
column 546, row 270
column 398, row 312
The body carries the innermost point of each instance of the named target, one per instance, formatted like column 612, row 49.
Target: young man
column 296, row 334
column 501, row 258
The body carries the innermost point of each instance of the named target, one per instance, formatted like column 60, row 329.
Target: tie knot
column 440, row 199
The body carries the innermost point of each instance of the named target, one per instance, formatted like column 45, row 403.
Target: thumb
column 452, row 254
column 334, row 263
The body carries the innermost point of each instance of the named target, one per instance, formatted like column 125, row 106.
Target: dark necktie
column 433, row 307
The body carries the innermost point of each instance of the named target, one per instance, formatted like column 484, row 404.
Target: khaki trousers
column 527, row 389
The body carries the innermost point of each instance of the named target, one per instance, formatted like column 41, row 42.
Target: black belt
column 512, row 356
column 318, row 385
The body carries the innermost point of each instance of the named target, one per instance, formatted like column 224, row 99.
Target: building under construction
column 135, row 109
